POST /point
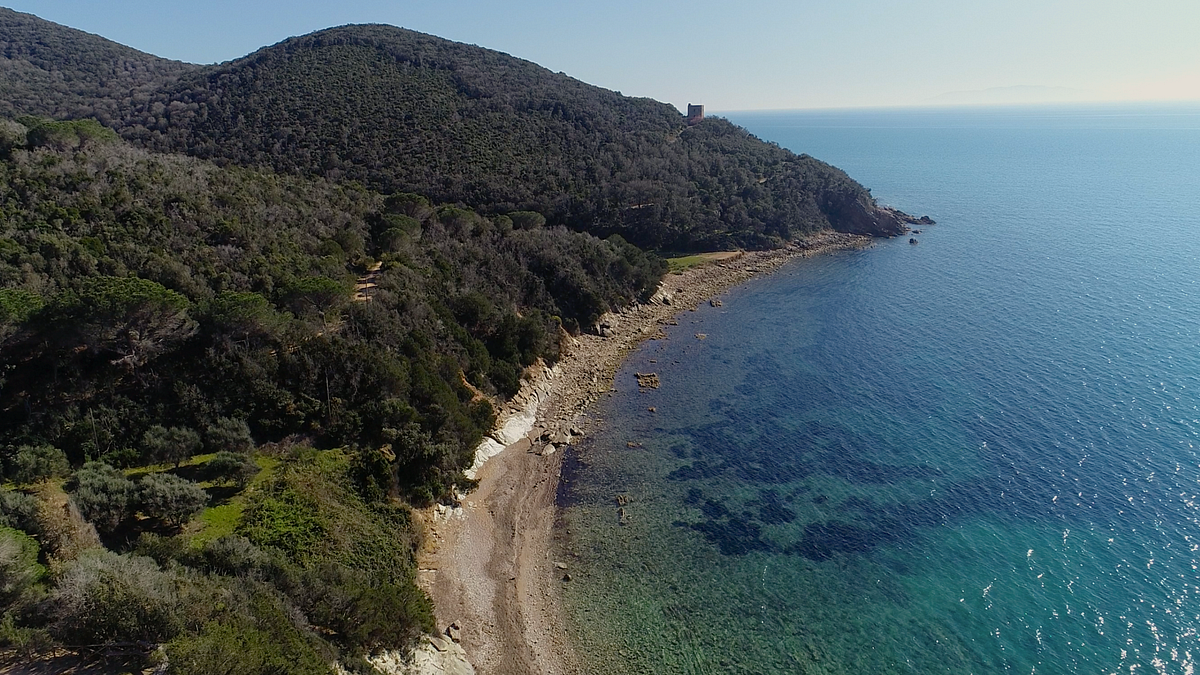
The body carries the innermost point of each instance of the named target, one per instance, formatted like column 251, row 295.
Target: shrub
column 286, row 520
column 26, row 643
column 123, row 458
column 18, row 511
column 19, row 568
column 102, row 597
column 163, row 550
column 506, row 376
column 37, row 462
column 371, row 473
column 238, row 646
column 367, row 612
column 170, row 445
column 228, row 434
column 59, row 525
column 169, row 498
column 234, row 555
column 104, row 495
column 230, row 467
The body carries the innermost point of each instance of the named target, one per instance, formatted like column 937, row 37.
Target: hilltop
column 48, row 69
column 397, row 110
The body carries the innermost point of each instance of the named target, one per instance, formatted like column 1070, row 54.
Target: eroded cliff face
column 858, row 217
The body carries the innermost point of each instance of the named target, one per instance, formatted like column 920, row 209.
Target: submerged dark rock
column 713, row 509
column 772, row 510
column 697, row 471
column 735, row 536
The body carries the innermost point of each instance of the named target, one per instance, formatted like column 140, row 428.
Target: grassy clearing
column 218, row 521
column 223, row 517
column 678, row 265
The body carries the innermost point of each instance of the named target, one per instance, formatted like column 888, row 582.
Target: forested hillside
column 398, row 110
column 48, row 69
column 401, row 111
column 159, row 311
column 165, row 290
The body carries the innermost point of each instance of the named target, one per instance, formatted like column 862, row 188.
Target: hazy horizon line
column 980, row 106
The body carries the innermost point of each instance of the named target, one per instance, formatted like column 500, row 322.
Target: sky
column 732, row 56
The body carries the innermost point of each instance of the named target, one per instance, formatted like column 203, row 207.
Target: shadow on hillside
column 68, row 663
column 221, row 494
column 197, row 473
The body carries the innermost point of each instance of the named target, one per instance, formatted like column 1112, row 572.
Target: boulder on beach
column 606, row 326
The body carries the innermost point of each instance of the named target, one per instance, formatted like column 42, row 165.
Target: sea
column 973, row 453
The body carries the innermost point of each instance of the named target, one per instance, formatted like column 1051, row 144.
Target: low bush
column 245, row 646
column 228, row 435
column 102, row 597
column 234, row 555
column 19, row 568
column 169, row 498
column 104, row 495
column 32, row 463
column 230, row 467
column 25, row 642
column 366, row 611
column 18, row 511
column 287, row 521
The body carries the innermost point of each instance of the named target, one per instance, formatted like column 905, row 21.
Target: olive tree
column 104, row 495
column 170, row 499
column 170, row 445
column 32, row 463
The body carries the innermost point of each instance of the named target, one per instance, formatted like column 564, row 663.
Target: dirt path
column 488, row 565
column 366, row 284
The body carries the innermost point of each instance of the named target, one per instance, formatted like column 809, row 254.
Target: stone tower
column 695, row 114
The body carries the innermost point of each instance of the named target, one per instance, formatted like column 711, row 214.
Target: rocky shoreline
column 487, row 562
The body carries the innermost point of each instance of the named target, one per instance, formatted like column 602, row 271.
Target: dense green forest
column 252, row 313
column 161, row 311
column 52, row 70
column 397, row 110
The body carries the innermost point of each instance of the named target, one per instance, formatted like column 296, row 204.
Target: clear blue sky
column 753, row 54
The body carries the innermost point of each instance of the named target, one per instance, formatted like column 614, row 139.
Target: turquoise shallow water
column 974, row 455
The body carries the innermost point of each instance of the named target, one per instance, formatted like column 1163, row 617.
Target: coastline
column 488, row 563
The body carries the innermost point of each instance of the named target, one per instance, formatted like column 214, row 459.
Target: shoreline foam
column 487, row 563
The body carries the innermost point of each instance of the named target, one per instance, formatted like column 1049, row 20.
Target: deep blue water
column 973, row 455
